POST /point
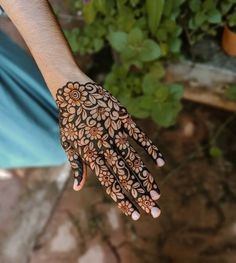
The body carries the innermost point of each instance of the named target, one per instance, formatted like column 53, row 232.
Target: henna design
column 94, row 129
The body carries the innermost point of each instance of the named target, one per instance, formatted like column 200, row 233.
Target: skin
column 36, row 23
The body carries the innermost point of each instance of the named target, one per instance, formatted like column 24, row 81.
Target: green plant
column 231, row 20
column 145, row 95
column 142, row 35
column 230, row 92
column 134, row 47
column 215, row 152
column 88, row 40
column 205, row 17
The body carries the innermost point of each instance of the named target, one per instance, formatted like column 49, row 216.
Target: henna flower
column 111, row 157
column 70, row 132
column 72, row 155
column 121, row 141
column 143, row 139
column 90, row 153
column 105, row 178
column 146, row 203
column 125, row 182
column 94, row 132
column 75, row 94
column 137, row 165
column 126, row 207
column 100, row 113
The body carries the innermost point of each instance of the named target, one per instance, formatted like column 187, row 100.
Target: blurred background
column 173, row 65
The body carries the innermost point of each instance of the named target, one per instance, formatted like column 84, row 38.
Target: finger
column 79, row 168
column 136, row 165
column 114, row 189
column 140, row 137
column 130, row 183
column 80, row 176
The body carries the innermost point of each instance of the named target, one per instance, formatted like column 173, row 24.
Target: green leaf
column 118, row 40
column 72, row 37
column 98, row 44
column 101, row 5
column 157, row 70
column 165, row 113
column 129, row 54
column 150, row 50
column 146, row 102
column 230, row 92
column 225, row 7
column 214, row 16
column 175, row 45
column 199, row 19
column 89, row 12
column 154, row 12
column 208, row 5
column 232, row 20
column 194, row 5
column 135, row 36
column 133, row 105
column 176, row 91
column 162, row 94
column 134, row 2
column 215, row 152
column 125, row 20
column 149, row 84
column 162, row 34
column 169, row 4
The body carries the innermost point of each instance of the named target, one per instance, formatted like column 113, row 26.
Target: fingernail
column 155, row 195
column 155, row 212
column 160, row 162
column 135, row 215
column 76, row 187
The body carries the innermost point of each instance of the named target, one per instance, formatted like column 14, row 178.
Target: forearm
column 38, row 26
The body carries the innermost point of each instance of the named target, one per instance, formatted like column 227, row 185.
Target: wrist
column 55, row 79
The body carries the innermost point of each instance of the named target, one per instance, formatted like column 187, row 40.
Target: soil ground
column 198, row 204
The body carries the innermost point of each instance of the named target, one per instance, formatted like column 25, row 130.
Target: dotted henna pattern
column 94, row 129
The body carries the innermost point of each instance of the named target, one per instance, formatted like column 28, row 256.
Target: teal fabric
column 29, row 133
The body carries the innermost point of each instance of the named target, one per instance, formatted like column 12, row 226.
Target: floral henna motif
column 92, row 124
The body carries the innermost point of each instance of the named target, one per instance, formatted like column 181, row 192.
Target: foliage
column 231, row 18
column 142, row 35
column 230, row 92
column 215, row 152
column 84, row 45
column 205, row 17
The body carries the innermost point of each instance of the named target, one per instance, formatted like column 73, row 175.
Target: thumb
column 80, row 174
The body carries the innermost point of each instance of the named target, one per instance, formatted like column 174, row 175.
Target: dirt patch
column 198, row 204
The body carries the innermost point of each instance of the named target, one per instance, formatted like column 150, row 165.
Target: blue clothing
column 29, row 132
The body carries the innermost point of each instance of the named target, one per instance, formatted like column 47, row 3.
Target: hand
column 94, row 130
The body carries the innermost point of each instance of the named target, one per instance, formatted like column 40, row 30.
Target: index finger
column 142, row 139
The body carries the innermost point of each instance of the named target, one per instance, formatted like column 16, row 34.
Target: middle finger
column 131, row 184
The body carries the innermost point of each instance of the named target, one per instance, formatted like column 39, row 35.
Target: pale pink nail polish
column 76, row 186
column 155, row 195
column 160, row 162
column 135, row 216
column 155, row 212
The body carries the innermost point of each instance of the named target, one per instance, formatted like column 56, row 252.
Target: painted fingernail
column 135, row 215
column 76, row 186
column 155, row 212
column 155, row 195
column 160, row 162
